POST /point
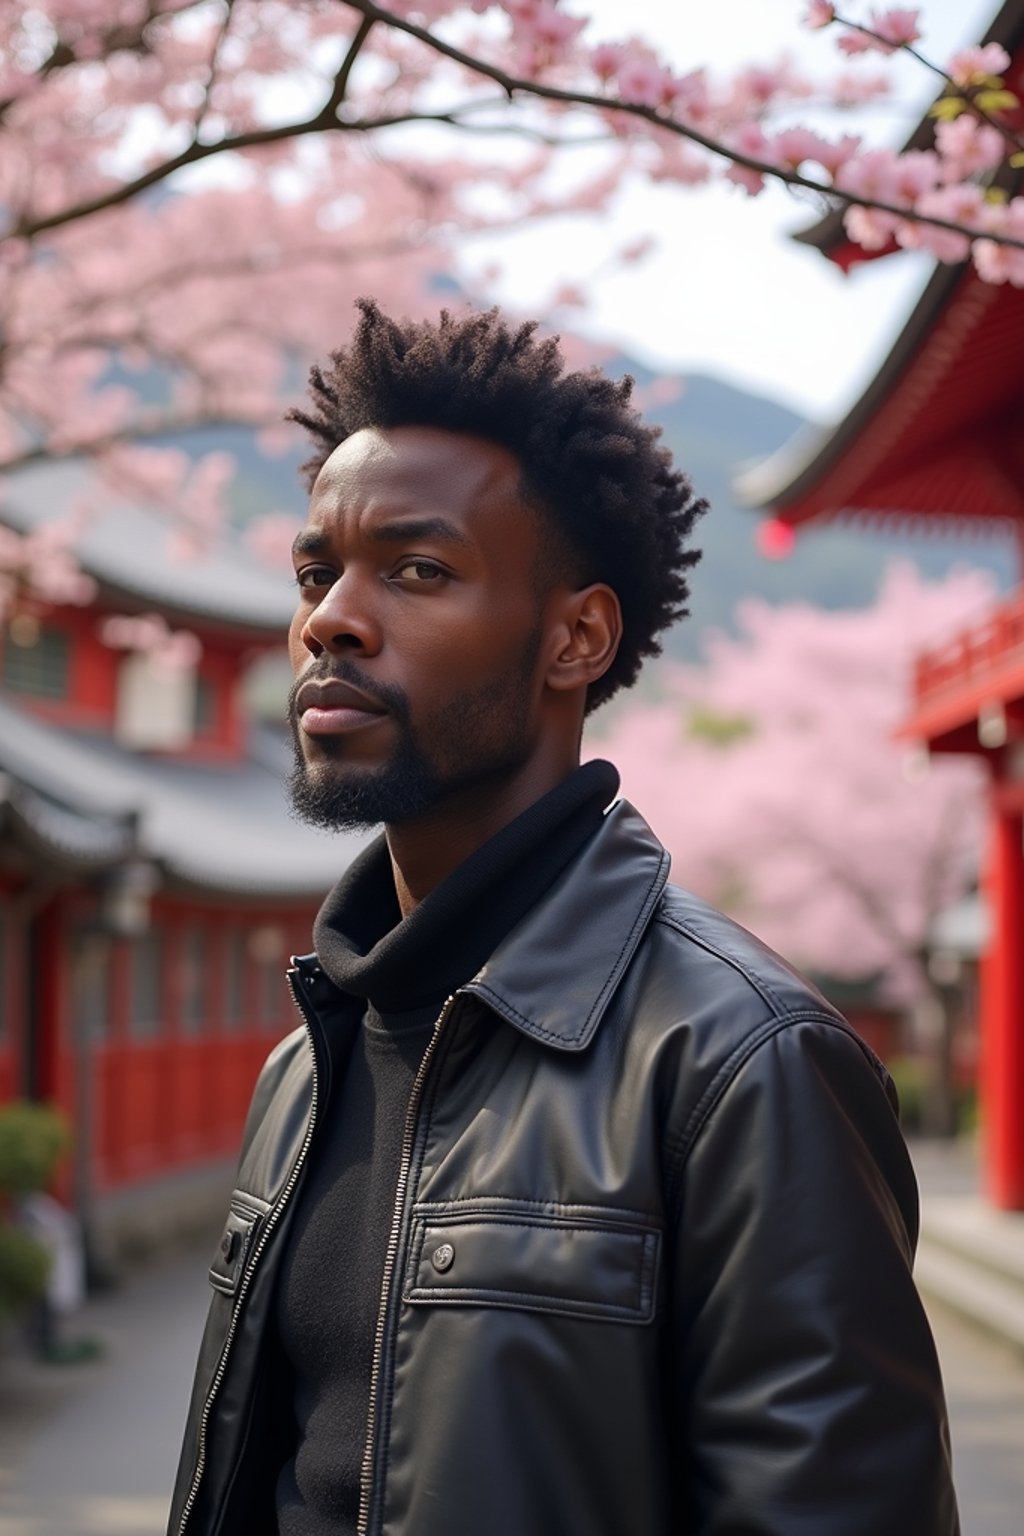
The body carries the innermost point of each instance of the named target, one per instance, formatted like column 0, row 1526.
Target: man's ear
column 586, row 632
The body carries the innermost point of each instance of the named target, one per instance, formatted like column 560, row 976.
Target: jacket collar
column 554, row 974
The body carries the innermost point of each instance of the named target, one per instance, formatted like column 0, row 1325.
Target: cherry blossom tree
column 774, row 776
column 189, row 187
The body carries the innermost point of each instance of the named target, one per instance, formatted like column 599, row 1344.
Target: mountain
column 714, row 431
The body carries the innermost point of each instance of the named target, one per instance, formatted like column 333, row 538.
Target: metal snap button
column 442, row 1258
column 228, row 1244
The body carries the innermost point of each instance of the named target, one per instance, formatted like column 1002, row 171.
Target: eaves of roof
column 223, row 828
column 791, row 473
column 126, row 548
column 60, row 835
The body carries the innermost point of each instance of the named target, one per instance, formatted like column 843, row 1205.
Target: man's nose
column 345, row 620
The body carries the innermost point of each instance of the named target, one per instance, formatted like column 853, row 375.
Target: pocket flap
column 244, row 1218
column 536, row 1263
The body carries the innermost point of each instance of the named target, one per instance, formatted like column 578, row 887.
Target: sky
column 726, row 292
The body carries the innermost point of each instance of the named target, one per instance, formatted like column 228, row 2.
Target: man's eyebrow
column 314, row 541
column 419, row 528
column 309, row 541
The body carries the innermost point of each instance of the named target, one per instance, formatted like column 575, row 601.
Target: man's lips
column 331, row 708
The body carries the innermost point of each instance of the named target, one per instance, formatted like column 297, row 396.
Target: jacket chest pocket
column 241, row 1229
column 578, row 1262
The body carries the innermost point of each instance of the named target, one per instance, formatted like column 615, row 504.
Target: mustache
column 324, row 670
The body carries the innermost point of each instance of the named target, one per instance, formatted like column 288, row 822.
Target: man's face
column 417, row 638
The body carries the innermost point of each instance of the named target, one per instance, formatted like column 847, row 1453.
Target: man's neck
column 426, row 851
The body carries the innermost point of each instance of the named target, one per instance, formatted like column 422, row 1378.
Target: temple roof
column 937, row 438
column 126, row 550
column 83, row 801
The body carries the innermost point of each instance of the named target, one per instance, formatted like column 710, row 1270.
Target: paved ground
column 90, row 1450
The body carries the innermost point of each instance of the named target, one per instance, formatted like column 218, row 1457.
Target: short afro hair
column 620, row 512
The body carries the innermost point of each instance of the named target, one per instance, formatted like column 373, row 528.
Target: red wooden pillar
column 1002, row 1015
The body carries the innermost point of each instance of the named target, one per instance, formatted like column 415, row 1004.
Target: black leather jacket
column 649, row 1269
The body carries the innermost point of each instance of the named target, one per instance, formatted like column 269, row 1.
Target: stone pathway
column 90, row 1450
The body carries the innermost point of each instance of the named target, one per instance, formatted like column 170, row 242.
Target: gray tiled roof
column 126, row 547
column 67, row 835
column 226, row 827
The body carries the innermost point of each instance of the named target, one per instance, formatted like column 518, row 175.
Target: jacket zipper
column 243, row 1288
column 391, row 1255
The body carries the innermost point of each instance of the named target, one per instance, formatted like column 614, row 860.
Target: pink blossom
column 872, row 174
column 742, row 176
column 997, row 263
column 172, row 650
column 967, row 147
column 819, row 14
column 606, row 60
column 893, row 29
column 551, row 26
column 793, row 146
column 852, row 43
column 899, row 27
column 969, row 66
column 644, row 81
column 834, row 156
column 543, row 34
column 749, row 140
column 916, row 172
column 869, row 228
column 959, row 205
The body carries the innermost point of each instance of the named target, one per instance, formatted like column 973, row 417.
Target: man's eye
column 315, row 576
column 419, row 571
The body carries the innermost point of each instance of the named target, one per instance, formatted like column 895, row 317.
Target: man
column 570, row 1210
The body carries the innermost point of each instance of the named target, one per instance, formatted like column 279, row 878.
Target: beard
column 476, row 737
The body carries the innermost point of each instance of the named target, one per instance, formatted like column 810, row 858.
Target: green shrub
column 24, row 1269
column 33, row 1138
column 910, row 1076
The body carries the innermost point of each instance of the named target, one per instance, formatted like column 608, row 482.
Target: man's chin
column 345, row 799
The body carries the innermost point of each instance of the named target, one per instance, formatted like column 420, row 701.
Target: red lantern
column 775, row 539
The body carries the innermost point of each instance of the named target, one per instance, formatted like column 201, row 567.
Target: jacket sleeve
column 808, row 1398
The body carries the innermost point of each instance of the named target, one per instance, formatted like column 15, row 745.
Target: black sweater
column 403, row 970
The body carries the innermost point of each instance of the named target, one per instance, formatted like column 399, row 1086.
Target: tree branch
column 968, row 94
column 514, row 85
column 341, row 79
column 326, row 120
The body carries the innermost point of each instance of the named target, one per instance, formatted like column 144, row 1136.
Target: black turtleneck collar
column 369, row 950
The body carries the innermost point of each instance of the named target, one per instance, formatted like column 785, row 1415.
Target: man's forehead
column 405, row 462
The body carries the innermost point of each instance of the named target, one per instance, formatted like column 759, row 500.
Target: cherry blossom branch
column 341, row 79
column 968, row 94
column 212, row 73
column 514, row 85
column 326, row 119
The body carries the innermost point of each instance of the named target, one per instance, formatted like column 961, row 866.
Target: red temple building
column 937, row 441
column 152, row 882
